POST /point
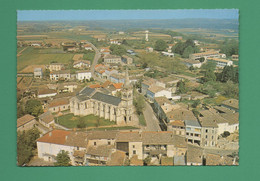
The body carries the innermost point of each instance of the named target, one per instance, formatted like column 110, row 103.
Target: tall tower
column 127, row 99
column 146, row 35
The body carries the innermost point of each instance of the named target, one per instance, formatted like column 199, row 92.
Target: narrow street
column 94, row 63
column 152, row 123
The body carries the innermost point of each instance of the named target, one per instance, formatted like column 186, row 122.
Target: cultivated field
column 24, row 82
column 30, row 68
column 78, row 57
column 32, row 56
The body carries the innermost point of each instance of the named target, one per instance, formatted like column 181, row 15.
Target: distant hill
column 215, row 24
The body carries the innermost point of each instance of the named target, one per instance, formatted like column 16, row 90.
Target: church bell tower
column 127, row 99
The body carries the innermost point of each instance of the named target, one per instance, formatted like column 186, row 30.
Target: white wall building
column 83, row 75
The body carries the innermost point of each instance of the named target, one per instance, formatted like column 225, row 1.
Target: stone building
column 91, row 101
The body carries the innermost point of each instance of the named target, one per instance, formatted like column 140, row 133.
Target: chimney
column 50, row 133
column 66, row 138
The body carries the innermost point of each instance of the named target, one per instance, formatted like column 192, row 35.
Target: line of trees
column 186, row 48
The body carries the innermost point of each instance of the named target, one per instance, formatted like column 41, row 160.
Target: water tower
column 146, row 35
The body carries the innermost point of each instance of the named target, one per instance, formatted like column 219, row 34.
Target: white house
column 46, row 93
column 83, row 75
column 81, row 64
column 38, row 73
column 52, row 143
column 220, row 63
column 168, row 54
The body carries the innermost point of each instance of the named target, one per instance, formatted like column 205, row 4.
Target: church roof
column 106, row 98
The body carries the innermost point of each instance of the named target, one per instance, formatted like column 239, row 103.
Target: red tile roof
column 93, row 86
column 105, row 84
column 55, row 137
column 118, row 85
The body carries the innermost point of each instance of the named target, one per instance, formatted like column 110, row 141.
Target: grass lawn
column 71, row 121
column 89, row 55
column 142, row 120
column 33, row 56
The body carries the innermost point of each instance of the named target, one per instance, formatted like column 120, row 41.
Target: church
column 91, row 101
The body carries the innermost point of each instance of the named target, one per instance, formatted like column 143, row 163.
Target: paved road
column 152, row 123
column 94, row 63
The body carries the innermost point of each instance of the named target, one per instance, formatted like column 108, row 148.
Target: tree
column 182, row 87
column 187, row 51
column 147, row 160
column 209, row 65
column 209, row 75
column 81, row 124
column 225, row 134
column 117, row 50
column 47, row 73
column 229, row 73
column 195, row 103
column 91, row 79
column 160, row 45
column 201, row 59
column 144, row 65
column 62, row 159
column 33, row 107
column 231, row 90
column 26, row 143
column 139, row 104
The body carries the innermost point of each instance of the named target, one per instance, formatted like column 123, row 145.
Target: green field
column 33, row 56
column 71, row 121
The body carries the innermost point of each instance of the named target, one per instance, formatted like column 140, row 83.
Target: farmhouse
column 108, row 59
column 192, row 63
column 56, row 67
column 82, row 64
column 58, row 105
column 205, row 55
column 60, row 75
column 83, row 75
column 221, row 63
column 46, row 119
column 38, row 73
column 42, row 93
column 26, row 122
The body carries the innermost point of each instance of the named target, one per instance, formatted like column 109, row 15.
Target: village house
column 235, row 57
column 46, row 119
column 157, row 91
column 54, row 142
column 114, row 88
column 192, row 63
column 83, row 75
column 101, row 145
column 149, row 49
column 90, row 101
column 109, row 72
column 81, row 64
column 42, row 93
column 58, row 105
column 38, row 73
column 60, row 75
column 26, row 122
column 168, row 54
column 209, row 132
column 117, row 78
column 194, row 155
column 67, row 87
column 220, row 63
column 193, row 131
column 215, row 160
column 112, row 41
column 112, row 59
column 146, row 84
column 205, row 55
column 87, row 47
column 127, row 60
column 56, row 67
column 231, row 104
column 153, row 144
column 105, row 50
column 176, row 118
column 225, row 121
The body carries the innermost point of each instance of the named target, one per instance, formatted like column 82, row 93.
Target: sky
column 52, row 15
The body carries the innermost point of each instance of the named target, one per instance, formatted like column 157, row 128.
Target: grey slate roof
column 192, row 123
column 106, row 98
column 87, row 91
